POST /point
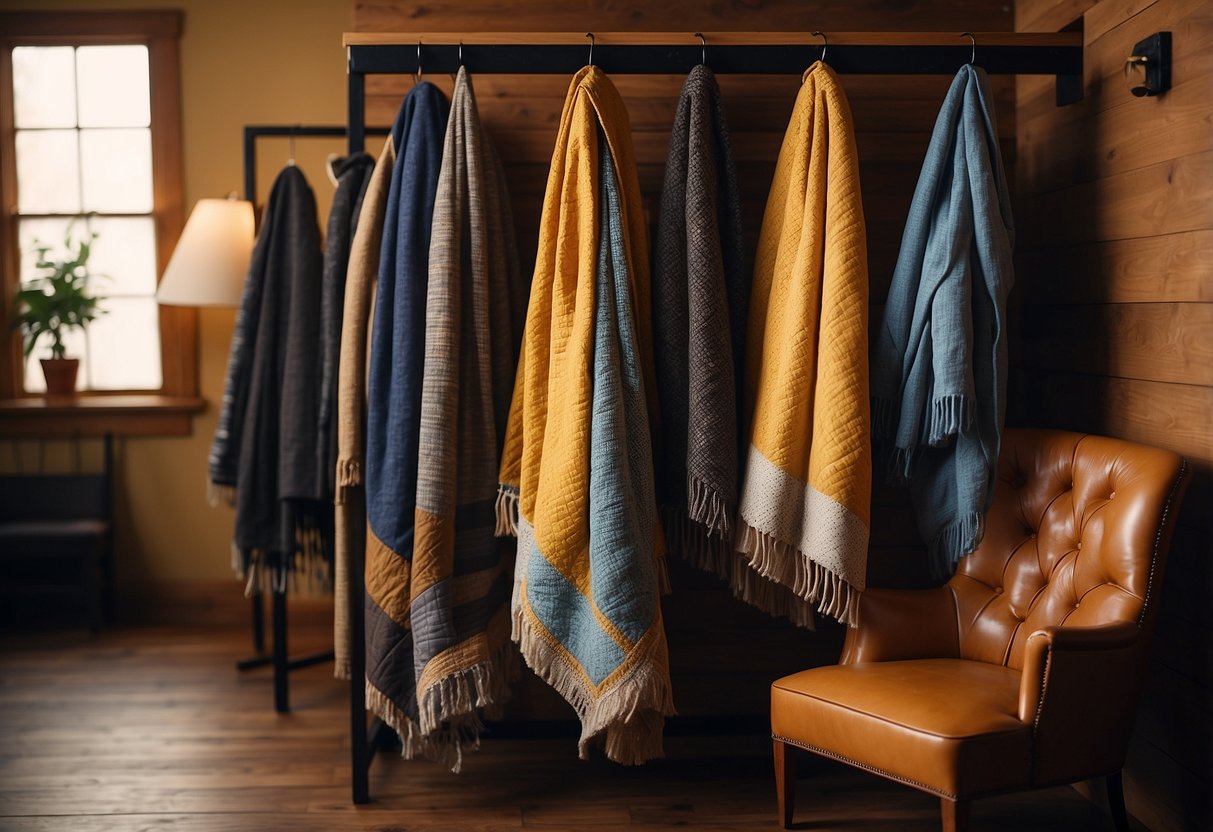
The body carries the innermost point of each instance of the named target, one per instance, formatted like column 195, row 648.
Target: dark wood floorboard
column 154, row 729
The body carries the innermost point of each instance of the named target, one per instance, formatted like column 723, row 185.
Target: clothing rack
column 663, row 53
column 277, row 657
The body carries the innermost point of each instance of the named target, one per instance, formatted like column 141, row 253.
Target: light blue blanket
column 939, row 363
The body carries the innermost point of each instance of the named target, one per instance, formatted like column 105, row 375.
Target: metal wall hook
column 825, row 42
column 590, row 35
column 290, row 147
column 703, row 46
column 461, row 53
column 973, row 42
column 417, row 80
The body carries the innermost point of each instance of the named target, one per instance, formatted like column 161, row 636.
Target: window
column 90, row 144
column 84, row 169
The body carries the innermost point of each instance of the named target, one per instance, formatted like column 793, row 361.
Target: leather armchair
column 1024, row 669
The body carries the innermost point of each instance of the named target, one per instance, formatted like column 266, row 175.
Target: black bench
column 56, row 534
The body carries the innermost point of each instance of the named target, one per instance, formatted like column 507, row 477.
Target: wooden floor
column 154, row 729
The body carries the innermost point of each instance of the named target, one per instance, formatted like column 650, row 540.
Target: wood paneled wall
column 723, row 654
column 1115, row 334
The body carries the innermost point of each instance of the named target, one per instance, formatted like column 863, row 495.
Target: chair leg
column 785, row 781
column 955, row 814
column 1116, row 802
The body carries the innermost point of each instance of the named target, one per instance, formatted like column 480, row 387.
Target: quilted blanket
column 397, row 354
column 576, row 475
column 700, row 294
column 804, row 515
column 940, row 358
column 460, row 580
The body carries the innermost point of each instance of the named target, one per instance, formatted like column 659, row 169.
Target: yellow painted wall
column 242, row 62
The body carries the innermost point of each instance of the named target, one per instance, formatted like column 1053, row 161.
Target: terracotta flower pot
column 60, row 375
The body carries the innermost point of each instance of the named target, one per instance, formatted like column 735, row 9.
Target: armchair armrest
column 896, row 624
column 1079, row 692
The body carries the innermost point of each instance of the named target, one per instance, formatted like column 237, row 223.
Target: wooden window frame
column 166, row 411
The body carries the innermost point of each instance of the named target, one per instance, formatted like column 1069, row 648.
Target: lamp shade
column 211, row 260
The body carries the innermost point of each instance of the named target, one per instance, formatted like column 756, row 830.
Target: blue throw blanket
column 394, row 382
column 939, row 365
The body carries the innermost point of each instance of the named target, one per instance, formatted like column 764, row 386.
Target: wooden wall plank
column 1115, row 331
column 1174, row 416
column 1109, row 14
column 673, row 15
column 1034, row 16
column 1149, row 341
column 1117, row 140
column 1190, row 23
column 1163, row 198
column 1167, row 268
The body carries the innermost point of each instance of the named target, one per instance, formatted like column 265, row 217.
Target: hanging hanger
column 973, row 42
column 825, row 42
column 590, row 35
column 703, row 46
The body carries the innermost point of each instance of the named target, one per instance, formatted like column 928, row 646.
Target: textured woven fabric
column 700, row 296
column 577, row 479
column 459, row 577
column 804, row 515
column 394, row 382
column 940, row 356
column 350, row 497
column 264, row 448
column 352, row 173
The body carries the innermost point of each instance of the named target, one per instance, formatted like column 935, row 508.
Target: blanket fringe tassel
column 450, row 711
column 706, row 507
column 694, row 544
column 349, row 475
column 784, row 564
column 949, row 416
column 631, row 714
column 507, row 511
column 953, row 542
column 217, row 495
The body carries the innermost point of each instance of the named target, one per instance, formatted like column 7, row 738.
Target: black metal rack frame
column 617, row 53
column 277, row 657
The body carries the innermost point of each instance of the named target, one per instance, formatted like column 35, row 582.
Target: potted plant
column 51, row 304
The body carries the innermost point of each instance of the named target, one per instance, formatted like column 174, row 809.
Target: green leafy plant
column 57, row 300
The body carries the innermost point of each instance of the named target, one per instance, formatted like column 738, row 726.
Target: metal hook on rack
column 703, row 46
column 825, row 42
column 290, row 146
column 590, row 35
column 973, row 42
column 461, row 53
column 417, row 78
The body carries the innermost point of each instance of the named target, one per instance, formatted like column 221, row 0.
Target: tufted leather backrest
column 1073, row 536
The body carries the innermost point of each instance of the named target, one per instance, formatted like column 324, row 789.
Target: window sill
column 97, row 415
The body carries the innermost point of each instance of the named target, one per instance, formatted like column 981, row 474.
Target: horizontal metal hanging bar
column 734, row 53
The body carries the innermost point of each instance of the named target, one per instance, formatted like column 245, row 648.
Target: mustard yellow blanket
column 804, row 512
column 577, row 472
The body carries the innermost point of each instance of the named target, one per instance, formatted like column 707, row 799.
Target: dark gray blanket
column 265, row 442
column 700, row 294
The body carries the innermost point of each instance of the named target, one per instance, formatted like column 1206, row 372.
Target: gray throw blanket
column 352, row 174
column 265, row 441
column 940, row 358
column 700, row 299
column 461, row 574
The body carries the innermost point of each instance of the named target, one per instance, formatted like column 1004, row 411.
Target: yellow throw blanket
column 577, row 471
column 804, row 513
